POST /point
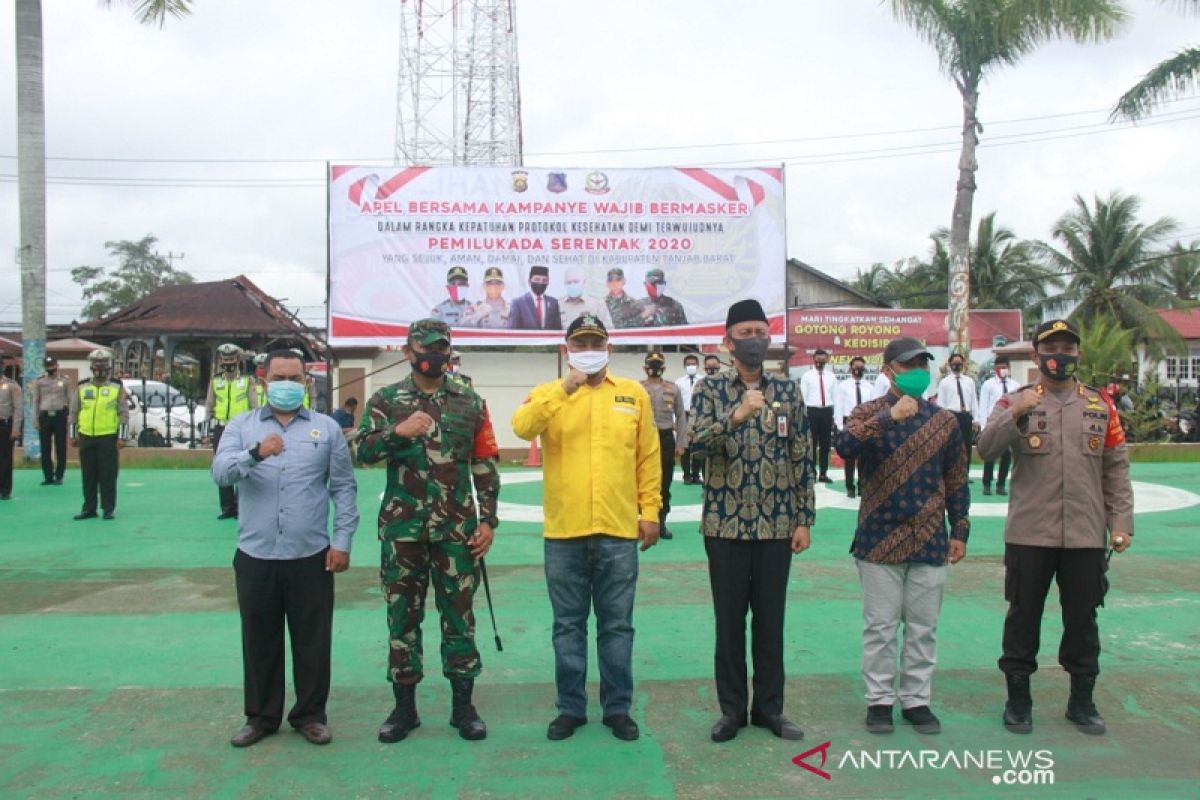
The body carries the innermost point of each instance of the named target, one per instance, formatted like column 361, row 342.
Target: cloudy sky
column 212, row 133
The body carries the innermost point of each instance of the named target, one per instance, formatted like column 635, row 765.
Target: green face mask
column 914, row 382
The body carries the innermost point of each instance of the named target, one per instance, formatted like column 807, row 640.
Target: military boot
column 463, row 714
column 1080, row 708
column 403, row 718
column 1018, row 711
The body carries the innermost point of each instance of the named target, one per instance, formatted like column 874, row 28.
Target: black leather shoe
column 316, row 733
column 48, row 482
column 879, row 719
column 987, row 489
column 248, row 735
column 922, row 719
column 109, row 515
column 1000, row 491
column 623, row 727
column 779, row 725
column 86, row 515
column 850, row 493
column 227, row 515
column 664, row 533
column 563, row 727
column 727, row 728
column 825, row 479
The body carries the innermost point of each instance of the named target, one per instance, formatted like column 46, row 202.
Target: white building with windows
column 1178, row 369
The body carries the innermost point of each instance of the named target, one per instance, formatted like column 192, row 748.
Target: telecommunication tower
column 458, row 94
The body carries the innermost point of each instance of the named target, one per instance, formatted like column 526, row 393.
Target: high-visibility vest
column 308, row 389
column 99, row 412
column 230, row 398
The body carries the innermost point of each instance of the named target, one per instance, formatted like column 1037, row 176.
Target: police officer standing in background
column 229, row 393
column 51, row 402
column 99, row 420
column 1070, row 488
column 12, row 414
column 667, row 402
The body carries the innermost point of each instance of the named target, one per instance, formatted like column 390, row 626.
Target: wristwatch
column 257, row 456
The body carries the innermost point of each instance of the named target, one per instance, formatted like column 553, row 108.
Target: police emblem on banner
column 520, row 179
column 596, row 183
column 556, row 182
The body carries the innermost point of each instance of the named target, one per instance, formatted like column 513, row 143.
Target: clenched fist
column 271, row 445
column 416, row 425
column 1025, row 402
column 905, row 407
column 752, row 403
column 574, row 379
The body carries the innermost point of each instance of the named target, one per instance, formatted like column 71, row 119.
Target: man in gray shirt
column 288, row 463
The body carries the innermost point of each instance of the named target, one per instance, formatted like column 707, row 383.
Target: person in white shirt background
column 995, row 387
column 687, row 383
column 956, row 393
column 849, row 394
column 816, row 387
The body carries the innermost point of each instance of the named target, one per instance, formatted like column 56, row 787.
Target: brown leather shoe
column 248, row 735
column 316, row 733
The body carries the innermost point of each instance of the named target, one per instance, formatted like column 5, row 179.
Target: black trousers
column 966, row 424
column 1005, row 463
column 666, row 443
column 226, row 494
column 52, row 433
column 749, row 575
column 6, row 456
column 98, row 466
column 270, row 593
column 820, row 422
column 693, row 466
column 1082, row 584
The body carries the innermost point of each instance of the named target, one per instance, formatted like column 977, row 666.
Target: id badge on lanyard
column 781, row 421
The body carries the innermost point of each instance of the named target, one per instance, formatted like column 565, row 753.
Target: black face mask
column 538, row 288
column 52, row 371
column 1058, row 367
column 819, row 364
column 100, row 374
column 857, row 372
column 654, row 373
column 956, row 367
column 431, row 365
column 751, row 351
column 711, row 370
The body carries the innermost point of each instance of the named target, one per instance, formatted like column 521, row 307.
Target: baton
column 487, row 591
column 1108, row 557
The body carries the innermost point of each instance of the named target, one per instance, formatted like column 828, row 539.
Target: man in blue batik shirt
column 288, row 463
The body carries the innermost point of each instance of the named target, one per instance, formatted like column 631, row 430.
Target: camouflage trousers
column 407, row 566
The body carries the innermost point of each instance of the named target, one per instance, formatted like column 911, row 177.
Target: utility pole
column 170, row 257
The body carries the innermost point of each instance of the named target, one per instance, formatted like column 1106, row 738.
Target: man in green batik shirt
column 437, row 438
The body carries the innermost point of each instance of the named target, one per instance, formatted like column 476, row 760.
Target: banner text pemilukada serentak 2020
column 401, row 240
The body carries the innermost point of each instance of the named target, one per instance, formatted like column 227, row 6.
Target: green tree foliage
column 1172, row 77
column 1106, row 351
column 139, row 272
column 1109, row 259
column 1178, row 274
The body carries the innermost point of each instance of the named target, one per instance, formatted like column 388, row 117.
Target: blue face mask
column 285, row 395
column 574, row 290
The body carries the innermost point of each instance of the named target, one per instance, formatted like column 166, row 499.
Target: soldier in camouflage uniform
column 658, row 309
column 622, row 308
column 436, row 436
column 492, row 311
column 452, row 310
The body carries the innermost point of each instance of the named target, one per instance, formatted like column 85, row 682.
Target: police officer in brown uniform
column 1071, row 495
column 50, row 402
column 11, row 416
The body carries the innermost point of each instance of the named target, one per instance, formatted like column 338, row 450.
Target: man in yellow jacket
column 602, row 478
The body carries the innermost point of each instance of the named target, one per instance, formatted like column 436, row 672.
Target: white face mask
column 690, row 369
column 589, row 362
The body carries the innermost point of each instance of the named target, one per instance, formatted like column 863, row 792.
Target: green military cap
column 429, row 331
column 585, row 324
column 616, row 274
column 655, row 276
column 493, row 275
column 457, row 273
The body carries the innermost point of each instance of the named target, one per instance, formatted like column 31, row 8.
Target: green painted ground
column 121, row 668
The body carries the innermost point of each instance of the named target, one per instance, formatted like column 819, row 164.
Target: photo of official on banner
column 511, row 255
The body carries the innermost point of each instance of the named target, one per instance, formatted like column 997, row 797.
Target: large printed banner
column 848, row 332
column 511, row 256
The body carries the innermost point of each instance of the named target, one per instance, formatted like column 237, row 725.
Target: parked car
column 159, row 399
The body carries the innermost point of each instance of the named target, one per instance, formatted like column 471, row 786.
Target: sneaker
column 879, row 719
column 922, row 719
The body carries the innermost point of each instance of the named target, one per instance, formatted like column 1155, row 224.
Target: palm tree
column 1179, row 274
column 31, row 177
column 877, row 281
column 1106, row 351
column 1004, row 272
column 1110, row 260
column 972, row 37
column 1172, row 77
